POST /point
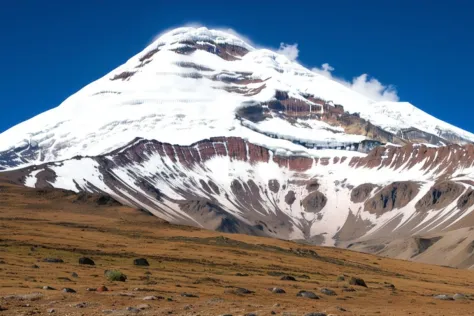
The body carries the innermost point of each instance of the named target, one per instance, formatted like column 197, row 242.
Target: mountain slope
column 231, row 185
column 195, row 83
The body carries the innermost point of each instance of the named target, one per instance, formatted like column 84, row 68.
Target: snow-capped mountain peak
column 195, row 83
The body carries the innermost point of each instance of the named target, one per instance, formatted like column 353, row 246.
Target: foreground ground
column 210, row 266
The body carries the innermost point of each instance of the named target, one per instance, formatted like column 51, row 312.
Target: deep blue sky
column 50, row 49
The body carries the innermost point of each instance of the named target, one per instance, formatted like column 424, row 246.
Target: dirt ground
column 211, row 266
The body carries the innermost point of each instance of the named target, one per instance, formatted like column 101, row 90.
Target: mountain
column 193, row 83
column 203, row 129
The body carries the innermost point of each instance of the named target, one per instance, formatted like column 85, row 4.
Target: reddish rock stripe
column 430, row 159
column 258, row 153
column 220, row 149
column 169, row 150
column 237, row 149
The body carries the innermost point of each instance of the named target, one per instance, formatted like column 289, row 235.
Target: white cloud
column 363, row 84
column 325, row 70
column 290, row 51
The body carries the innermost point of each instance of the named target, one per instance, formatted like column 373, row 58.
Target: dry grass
column 35, row 225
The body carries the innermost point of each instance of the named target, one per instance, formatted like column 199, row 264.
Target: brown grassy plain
column 38, row 224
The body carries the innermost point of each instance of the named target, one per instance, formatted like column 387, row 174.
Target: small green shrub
column 115, row 275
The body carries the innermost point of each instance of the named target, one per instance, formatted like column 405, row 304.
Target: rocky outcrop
column 274, row 185
column 126, row 75
column 360, row 193
column 466, row 200
column 439, row 196
column 290, row 197
column 395, row 195
column 314, row 202
column 312, row 185
column 225, row 51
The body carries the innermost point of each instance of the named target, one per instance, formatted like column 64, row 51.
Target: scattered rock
column 250, row 314
column 315, row 314
column 341, row 278
column 81, row 305
column 188, row 295
column 64, row 279
column 74, row 275
column 147, row 273
column 357, row 281
column 91, row 289
column 389, row 285
column 287, row 278
column 141, row 262
column 348, row 289
column 341, row 309
column 142, row 289
column 53, row 260
column 444, row 297
column 133, row 310
column 241, row 274
column 34, row 266
column 102, row 288
column 241, row 290
column 68, row 290
column 48, row 288
column 277, row 290
column 3, row 309
column 85, row 260
column 307, row 294
column 273, row 313
column 459, row 296
column 152, row 298
column 51, row 310
column 329, row 292
column 143, row 306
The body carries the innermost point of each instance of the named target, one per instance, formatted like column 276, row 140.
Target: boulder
column 287, row 278
column 308, row 294
column 443, row 297
column 141, row 262
column 277, row 290
column 459, row 296
column 327, row 291
column 357, row 281
column 87, row 261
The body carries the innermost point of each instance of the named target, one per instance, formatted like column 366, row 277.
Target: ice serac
column 192, row 84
